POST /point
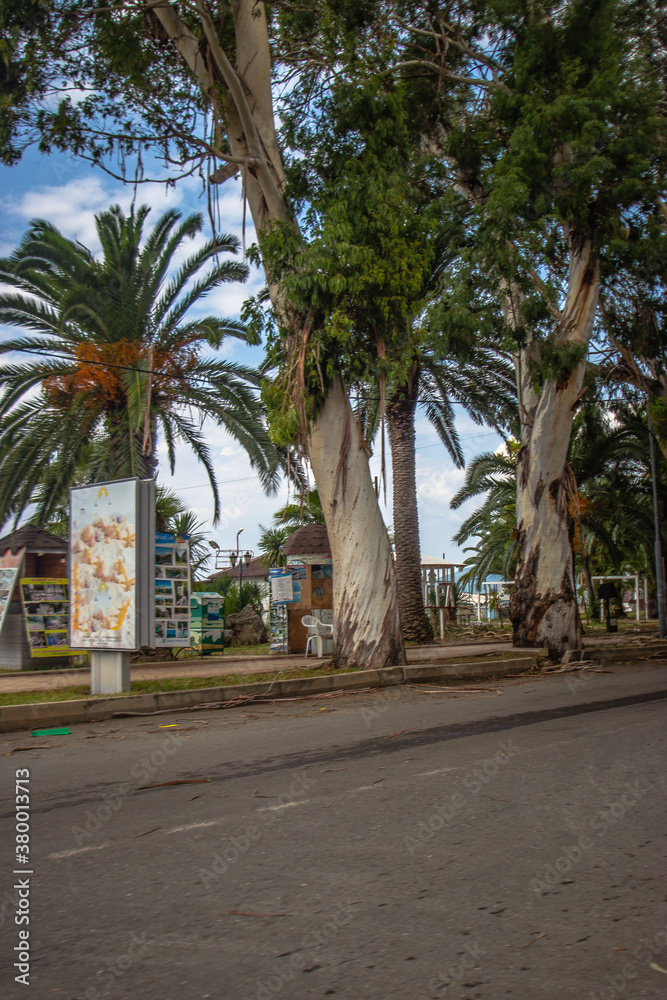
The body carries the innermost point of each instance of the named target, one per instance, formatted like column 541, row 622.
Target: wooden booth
column 33, row 600
column 308, row 556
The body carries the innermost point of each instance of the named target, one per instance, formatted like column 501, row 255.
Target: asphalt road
column 402, row 845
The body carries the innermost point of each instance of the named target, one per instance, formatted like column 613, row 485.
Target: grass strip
column 164, row 684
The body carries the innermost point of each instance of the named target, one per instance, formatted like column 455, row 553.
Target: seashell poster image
column 103, row 566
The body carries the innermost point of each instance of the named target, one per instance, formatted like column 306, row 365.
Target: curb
column 617, row 654
column 57, row 713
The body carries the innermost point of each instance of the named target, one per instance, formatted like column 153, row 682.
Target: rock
column 246, row 628
column 571, row 655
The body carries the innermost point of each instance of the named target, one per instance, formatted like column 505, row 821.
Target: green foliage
column 235, row 600
column 271, row 541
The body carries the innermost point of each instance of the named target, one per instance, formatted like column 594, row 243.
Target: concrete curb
column 61, row 713
column 629, row 651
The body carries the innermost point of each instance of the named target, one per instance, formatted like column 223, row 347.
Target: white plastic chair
column 317, row 633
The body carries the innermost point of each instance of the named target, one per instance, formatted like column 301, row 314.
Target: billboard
column 111, row 539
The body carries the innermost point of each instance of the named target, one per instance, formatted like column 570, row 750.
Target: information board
column 46, row 610
column 172, row 590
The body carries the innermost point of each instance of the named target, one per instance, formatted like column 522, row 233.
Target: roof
column 253, row 571
column 309, row 540
column 433, row 561
column 33, row 539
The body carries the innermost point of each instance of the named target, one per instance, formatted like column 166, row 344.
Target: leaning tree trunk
column 401, row 425
column 543, row 606
column 238, row 87
column 366, row 619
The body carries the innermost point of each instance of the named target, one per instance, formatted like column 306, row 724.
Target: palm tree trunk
column 401, row 425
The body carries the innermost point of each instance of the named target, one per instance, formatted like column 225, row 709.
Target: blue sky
column 68, row 192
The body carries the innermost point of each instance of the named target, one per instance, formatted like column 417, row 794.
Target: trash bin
column 207, row 622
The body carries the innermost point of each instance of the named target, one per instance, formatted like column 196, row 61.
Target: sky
column 68, row 192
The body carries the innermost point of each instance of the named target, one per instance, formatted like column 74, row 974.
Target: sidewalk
column 53, row 680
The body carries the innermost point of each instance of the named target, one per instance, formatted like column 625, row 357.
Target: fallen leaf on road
column 401, row 731
column 244, row 913
column 528, row 943
column 658, row 968
column 146, row 832
column 378, row 781
column 177, row 781
column 44, row 746
column 196, row 797
column 258, row 795
column 328, row 769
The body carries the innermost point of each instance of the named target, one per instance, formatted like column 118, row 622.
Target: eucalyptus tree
column 116, row 358
column 194, row 82
column 608, row 499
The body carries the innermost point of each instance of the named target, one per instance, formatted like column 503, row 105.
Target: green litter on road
column 63, row 731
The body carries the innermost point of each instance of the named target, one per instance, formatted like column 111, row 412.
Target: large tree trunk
column 365, row 607
column 401, row 407
column 366, row 619
column 543, row 605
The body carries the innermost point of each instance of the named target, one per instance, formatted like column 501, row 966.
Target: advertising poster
column 103, row 566
column 282, row 591
column 172, row 590
column 10, row 567
column 46, row 610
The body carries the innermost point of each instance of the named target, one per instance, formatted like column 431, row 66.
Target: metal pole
column 239, row 560
column 659, row 575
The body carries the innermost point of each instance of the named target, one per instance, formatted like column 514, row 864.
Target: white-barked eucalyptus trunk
column 366, row 619
column 366, row 625
column 543, row 605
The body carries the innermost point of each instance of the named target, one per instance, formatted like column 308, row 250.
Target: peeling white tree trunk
column 543, row 605
column 366, row 619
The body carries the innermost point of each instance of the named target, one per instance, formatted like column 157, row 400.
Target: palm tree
column 119, row 359
column 306, row 509
column 271, row 541
column 445, row 370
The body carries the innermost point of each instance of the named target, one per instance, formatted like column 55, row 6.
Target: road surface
column 406, row 844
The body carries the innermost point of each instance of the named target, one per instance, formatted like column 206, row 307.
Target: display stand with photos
column 284, row 589
column 46, row 610
column 10, row 567
column 172, row 590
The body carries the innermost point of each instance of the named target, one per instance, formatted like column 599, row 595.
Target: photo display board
column 46, row 610
column 112, row 535
column 10, row 567
column 172, row 590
